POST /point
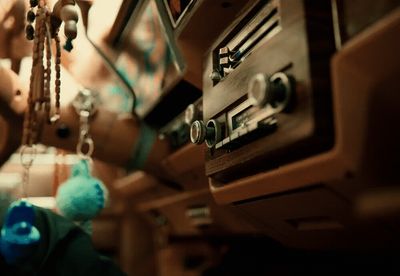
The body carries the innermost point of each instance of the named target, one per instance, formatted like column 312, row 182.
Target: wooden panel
column 303, row 49
column 356, row 15
column 140, row 187
column 314, row 218
column 174, row 211
column 186, row 166
column 365, row 152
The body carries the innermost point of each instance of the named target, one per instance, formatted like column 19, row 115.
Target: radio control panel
column 266, row 89
column 178, row 130
column 267, row 96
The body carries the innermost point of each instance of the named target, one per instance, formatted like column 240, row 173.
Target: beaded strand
column 58, row 76
column 39, row 98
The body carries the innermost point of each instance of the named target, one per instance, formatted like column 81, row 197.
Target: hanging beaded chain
column 47, row 25
column 39, row 98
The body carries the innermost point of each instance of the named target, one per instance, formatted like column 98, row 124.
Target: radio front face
column 266, row 98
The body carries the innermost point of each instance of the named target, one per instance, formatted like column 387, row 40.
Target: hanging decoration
column 18, row 236
column 46, row 29
column 82, row 196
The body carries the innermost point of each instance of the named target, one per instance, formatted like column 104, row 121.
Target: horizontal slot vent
column 260, row 24
column 314, row 223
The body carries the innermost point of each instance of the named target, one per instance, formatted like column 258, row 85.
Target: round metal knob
column 209, row 133
column 198, row 132
column 259, row 90
column 213, row 134
column 276, row 90
column 284, row 96
column 215, row 75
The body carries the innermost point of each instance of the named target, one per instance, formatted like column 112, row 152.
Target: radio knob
column 199, row 132
column 210, row 132
column 215, row 75
column 259, row 90
column 276, row 90
column 214, row 134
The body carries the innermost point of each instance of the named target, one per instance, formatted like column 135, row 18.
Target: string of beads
column 39, row 98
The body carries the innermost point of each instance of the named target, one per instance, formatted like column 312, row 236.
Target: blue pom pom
column 19, row 236
column 82, row 196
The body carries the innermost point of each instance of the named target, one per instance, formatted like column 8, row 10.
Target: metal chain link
column 85, row 140
column 85, row 105
column 27, row 156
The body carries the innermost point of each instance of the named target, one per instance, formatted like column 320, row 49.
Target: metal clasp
column 85, row 105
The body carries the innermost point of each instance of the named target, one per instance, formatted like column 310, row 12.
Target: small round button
column 210, row 132
column 198, row 132
column 283, row 95
column 215, row 75
column 213, row 134
column 276, row 90
column 259, row 90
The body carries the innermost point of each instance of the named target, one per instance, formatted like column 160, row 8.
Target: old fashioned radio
column 267, row 90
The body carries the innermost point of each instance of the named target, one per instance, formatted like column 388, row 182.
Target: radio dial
column 198, row 132
column 259, row 90
column 276, row 90
column 209, row 133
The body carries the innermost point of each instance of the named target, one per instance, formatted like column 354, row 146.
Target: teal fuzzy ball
column 82, row 196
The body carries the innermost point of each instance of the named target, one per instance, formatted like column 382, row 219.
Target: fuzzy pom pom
column 19, row 237
column 82, row 196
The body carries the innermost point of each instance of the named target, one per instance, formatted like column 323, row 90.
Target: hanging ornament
column 39, row 98
column 70, row 17
column 82, row 196
column 30, row 17
column 19, row 237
